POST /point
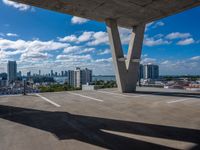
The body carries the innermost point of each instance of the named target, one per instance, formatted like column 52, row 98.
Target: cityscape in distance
column 13, row 82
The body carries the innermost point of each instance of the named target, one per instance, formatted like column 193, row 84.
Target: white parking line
column 121, row 94
column 85, row 96
column 179, row 100
column 48, row 100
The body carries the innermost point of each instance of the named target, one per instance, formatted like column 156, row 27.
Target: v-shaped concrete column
column 126, row 69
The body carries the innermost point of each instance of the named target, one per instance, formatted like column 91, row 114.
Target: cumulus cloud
column 98, row 38
column 70, row 38
column 74, row 57
column 158, row 24
column 19, row 6
column 177, row 35
column 78, row 20
column 92, row 38
column 187, row 41
column 34, row 56
column 104, row 52
column 35, row 45
column 153, row 25
column 12, row 34
column 85, row 36
column 195, row 58
column 153, row 41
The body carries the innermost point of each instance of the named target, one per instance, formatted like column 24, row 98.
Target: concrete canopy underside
column 132, row 14
column 128, row 13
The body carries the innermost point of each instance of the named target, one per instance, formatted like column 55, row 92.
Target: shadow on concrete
column 89, row 129
column 174, row 94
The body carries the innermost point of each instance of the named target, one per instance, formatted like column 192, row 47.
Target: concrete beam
column 128, row 13
column 126, row 70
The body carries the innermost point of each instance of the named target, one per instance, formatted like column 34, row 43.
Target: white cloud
column 92, row 38
column 19, row 6
column 152, row 41
column 103, row 60
column 98, row 38
column 34, row 56
column 104, row 52
column 178, row 35
column 148, row 60
column 12, row 34
column 72, row 49
column 74, row 57
column 154, row 25
column 187, row 41
column 86, row 36
column 195, row 58
column 2, row 54
column 78, row 20
column 165, row 62
column 70, row 38
column 35, row 45
column 158, row 24
column 86, row 50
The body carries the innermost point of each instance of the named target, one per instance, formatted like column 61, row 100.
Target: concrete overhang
column 128, row 13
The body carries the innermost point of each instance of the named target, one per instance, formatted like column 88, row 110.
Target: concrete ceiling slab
column 127, row 12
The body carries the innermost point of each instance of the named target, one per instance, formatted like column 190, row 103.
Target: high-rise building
column 71, row 77
column 19, row 74
column 78, row 77
column 29, row 74
column 39, row 72
column 86, row 76
column 150, row 71
column 141, row 72
column 62, row 73
column 65, row 73
column 52, row 73
column 12, row 71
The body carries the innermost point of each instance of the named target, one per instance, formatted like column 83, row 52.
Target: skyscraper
column 78, row 77
column 52, row 73
column 150, row 71
column 12, row 71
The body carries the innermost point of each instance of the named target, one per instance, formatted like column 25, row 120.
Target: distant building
column 71, row 77
column 149, row 71
column 39, row 72
column 78, row 77
column 65, row 73
column 12, row 71
column 3, row 82
column 52, row 73
column 62, row 73
column 19, row 74
column 141, row 72
column 29, row 74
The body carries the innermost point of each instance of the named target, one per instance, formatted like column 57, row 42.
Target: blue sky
column 45, row 40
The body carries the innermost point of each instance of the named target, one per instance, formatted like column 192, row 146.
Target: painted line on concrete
column 179, row 100
column 120, row 94
column 88, row 97
column 48, row 100
column 11, row 95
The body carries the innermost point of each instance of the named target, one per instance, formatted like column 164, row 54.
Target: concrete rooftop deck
column 103, row 119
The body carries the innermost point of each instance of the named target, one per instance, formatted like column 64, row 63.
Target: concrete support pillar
column 126, row 69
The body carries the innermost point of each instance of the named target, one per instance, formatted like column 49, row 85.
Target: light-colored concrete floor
column 104, row 119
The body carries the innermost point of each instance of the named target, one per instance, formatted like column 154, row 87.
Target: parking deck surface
column 103, row 119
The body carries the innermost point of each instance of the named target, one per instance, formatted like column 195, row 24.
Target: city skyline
column 63, row 42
